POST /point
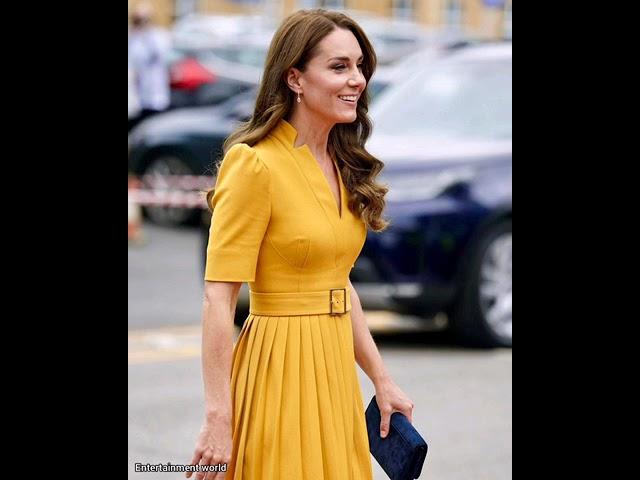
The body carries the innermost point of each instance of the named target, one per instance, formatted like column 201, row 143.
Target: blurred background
column 436, row 286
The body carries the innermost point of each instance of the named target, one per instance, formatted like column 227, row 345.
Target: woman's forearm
column 217, row 351
column 365, row 350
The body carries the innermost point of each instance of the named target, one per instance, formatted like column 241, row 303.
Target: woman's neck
column 312, row 133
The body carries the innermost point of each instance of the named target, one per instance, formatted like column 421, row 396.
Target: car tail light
column 189, row 74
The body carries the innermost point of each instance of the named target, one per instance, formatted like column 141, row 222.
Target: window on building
column 507, row 20
column 186, row 7
column 329, row 4
column 452, row 16
column 403, row 9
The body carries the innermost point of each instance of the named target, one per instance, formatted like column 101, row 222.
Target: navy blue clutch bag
column 402, row 453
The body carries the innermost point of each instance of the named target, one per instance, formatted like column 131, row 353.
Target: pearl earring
column 298, row 97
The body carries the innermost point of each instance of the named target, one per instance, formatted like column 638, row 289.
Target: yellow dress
column 297, row 406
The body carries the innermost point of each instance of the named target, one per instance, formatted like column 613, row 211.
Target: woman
column 294, row 197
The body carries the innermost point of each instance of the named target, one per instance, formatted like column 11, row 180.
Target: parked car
column 217, row 56
column 199, row 78
column 445, row 138
column 184, row 141
column 395, row 39
column 200, row 30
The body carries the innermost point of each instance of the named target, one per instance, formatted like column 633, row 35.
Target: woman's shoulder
column 240, row 150
column 268, row 151
column 243, row 163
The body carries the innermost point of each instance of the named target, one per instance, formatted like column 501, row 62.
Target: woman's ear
column 293, row 79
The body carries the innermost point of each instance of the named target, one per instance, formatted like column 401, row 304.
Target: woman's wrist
column 217, row 413
column 381, row 379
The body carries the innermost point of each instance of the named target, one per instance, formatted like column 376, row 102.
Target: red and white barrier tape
column 182, row 182
column 176, row 191
column 168, row 198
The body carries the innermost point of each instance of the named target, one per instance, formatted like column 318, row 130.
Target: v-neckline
column 337, row 172
column 338, row 206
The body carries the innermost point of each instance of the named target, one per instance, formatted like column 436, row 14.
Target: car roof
column 482, row 52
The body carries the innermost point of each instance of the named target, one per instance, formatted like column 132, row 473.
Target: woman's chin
column 347, row 118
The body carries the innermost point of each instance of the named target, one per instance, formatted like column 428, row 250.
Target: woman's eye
column 341, row 66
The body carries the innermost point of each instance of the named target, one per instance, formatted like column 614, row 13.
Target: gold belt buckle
column 336, row 302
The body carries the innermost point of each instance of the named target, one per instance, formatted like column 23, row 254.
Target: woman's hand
column 391, row 399
column 213, row 446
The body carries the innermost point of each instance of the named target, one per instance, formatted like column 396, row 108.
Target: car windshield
column 252, row 56
column 457, row 100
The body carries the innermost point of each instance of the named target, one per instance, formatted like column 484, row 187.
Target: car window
column 251, row 56
column 462, row 100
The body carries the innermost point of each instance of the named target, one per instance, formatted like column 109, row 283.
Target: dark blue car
column 445, row 138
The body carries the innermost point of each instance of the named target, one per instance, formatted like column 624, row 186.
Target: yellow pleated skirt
column 297, row 406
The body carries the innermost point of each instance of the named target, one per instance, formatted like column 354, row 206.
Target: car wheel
column 158, row 168
column 241, row 315
column 483, row 311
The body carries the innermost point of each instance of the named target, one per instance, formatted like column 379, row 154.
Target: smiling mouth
column 349, row 99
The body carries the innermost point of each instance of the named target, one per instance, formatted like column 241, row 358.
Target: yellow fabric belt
column 333, row 301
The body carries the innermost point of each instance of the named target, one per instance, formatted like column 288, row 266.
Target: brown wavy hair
column 293, row 45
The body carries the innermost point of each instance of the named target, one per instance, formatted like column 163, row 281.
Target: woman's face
column 335, row 72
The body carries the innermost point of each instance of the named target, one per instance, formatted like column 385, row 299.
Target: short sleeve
column 241, row 209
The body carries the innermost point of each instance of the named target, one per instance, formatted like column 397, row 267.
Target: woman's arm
column 389, row 397
column 214, row 442
column 218, row 312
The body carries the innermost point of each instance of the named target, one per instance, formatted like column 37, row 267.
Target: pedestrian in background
column 149, row 48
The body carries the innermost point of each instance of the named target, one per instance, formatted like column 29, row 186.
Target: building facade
column 478, row 18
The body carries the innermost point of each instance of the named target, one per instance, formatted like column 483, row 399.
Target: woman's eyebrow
column 344, row 59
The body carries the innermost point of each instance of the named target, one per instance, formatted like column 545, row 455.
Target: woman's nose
column 357, row 80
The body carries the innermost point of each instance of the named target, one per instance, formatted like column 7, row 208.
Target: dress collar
column 287, row 134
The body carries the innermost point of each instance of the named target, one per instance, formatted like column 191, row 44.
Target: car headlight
column 425, row 186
